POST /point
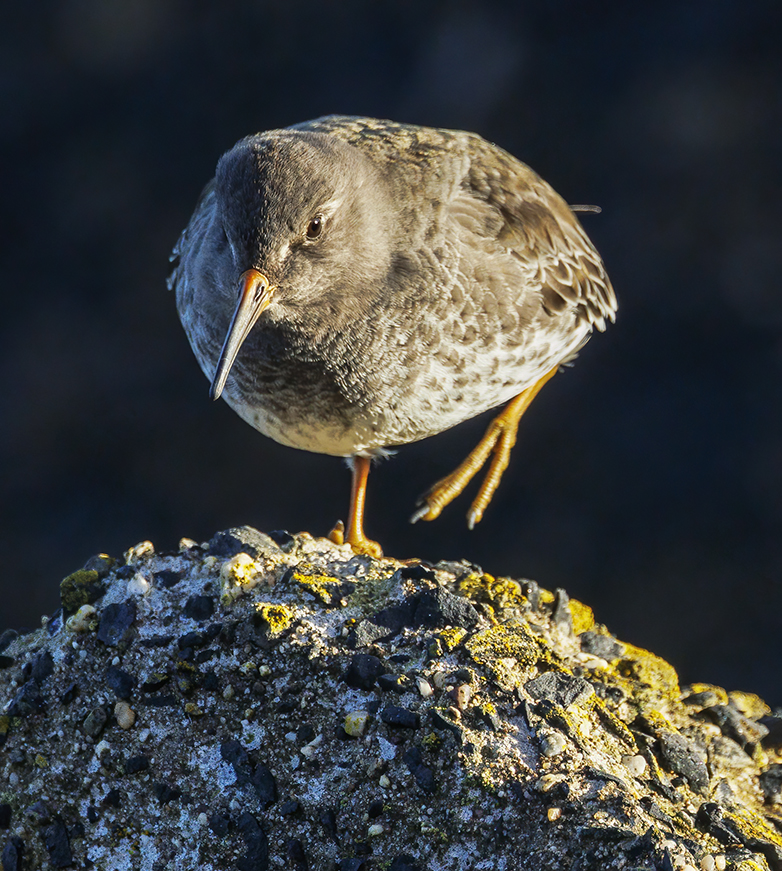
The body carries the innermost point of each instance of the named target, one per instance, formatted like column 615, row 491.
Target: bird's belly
column 318, row 433
column 410, row 405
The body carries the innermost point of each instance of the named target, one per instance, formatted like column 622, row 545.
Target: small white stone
column 138, row 585
column 708, row 863
column 424, row 687
column 202, row 819
column 80, row 621
column 375, row 830
column 384, row 782
column 635, row 764
column 125, row 715
column 549, row 781
column 720, row 861
column 552, row 744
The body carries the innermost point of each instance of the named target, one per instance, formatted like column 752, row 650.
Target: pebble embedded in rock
column 125, row 715
column 356, row 723
column 363, row 671
column 684, row 757
column 12, row 857
column 552, row 744
column 635, row 764
column 28, row 700
column 115, row 620
column 120, row 682
column 393, row 715
column 604, row 646
column 771, row 783
column 165, row 792
column 396, row 683
column 95, row 722
column 404, row 862
column 438, row 607
column 256, row 843
column 424, row 687
column 58, row 845
column 561, row 689
column 135, row 764
column 199, row 608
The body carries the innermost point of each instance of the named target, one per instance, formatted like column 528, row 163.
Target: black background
column 647, row 480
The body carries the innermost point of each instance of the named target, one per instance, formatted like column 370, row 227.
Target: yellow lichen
column 508, row 651
column 322, row 587
column 752, row 826
column 749, row 704
column 451, row 638
column 644, row 675
column 583, row 616
column 238, row 575
column 277, row 618
column 499, row 592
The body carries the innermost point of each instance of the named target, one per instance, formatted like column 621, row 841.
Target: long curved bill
column 255, row 294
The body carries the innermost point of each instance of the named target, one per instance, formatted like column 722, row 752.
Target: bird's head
column 301, row 233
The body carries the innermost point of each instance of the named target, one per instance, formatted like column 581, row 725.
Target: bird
column 349, row 285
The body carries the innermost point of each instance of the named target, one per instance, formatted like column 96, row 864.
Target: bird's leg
column 355, row 534
column 499, row 439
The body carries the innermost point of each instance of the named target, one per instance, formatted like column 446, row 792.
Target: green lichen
column 82, row 587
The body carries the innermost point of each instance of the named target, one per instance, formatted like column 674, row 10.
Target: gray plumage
column 443, row 278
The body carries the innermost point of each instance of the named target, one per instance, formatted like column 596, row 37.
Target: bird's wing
column 507, row 204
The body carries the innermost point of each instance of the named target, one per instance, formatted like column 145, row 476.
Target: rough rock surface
column 278, row 702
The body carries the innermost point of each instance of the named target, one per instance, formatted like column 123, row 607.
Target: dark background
column 647, row 480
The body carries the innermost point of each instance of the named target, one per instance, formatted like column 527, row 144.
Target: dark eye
column 315, row 227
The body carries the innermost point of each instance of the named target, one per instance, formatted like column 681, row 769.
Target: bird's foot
column 357, row 540
column 499, row 439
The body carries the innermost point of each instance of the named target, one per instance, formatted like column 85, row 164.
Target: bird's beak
column 255, row 294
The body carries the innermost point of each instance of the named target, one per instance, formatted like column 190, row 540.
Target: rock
column 512, row 739
column 363, row 671
column 256, row 843
column 115, row 620
column 243, row 539
column 561, row 689
column 393, row 715
column 199, row 608
column 601, row 645
column 771, row 783
column 120, row 682
column 58, row 845
column 684, row 757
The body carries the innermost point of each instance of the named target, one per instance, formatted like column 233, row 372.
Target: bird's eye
column 314, row 228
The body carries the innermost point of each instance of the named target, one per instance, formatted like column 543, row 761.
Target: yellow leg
column 355, row 535
column 499, row 439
